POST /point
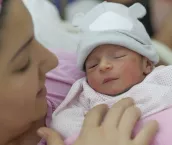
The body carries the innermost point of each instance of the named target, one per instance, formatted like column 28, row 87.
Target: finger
column 51, row 137
column 95, row 116
column 128, row 121
column 113, row 116
column 146, row 135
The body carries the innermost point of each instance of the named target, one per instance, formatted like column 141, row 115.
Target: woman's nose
column 50, row 62
column 47, row 60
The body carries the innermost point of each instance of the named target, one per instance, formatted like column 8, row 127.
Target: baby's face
column 113, row 69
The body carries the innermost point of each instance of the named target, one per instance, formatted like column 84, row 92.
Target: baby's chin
column 115, row 93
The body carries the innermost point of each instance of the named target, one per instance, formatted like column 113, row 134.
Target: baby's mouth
column 106, row 80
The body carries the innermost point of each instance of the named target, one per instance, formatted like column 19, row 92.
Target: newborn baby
column 117, row 55
column 113, row 69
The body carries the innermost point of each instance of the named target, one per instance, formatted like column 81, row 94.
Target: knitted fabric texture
column 151, row 96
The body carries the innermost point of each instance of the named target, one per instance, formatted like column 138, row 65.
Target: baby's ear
column 137, row 11
column 147, row 66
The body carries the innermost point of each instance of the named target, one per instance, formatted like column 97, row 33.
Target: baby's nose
column 105, row 66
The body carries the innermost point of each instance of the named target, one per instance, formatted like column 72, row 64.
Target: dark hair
column 3, row 12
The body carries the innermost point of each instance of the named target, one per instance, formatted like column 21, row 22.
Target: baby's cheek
column 131, row 72
column 127, row 68
column 92, row 80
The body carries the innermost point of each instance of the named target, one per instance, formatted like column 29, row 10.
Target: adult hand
column 51, row 136
column 109, row 126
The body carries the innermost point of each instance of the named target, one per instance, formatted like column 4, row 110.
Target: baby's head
column 115, row 49
column 112, row 69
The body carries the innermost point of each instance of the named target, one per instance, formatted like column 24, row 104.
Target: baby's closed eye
column 119, row 56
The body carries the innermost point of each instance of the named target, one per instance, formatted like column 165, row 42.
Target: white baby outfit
column 152, row 95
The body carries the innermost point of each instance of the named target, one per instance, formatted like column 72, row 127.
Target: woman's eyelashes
column 24, row 67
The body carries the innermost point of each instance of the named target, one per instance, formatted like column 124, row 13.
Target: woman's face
column 23, row 66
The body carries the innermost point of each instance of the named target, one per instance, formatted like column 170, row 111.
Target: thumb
column 51, row 137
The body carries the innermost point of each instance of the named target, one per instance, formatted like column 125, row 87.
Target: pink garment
column 59, row 82
column 164, row 135
column 151, row 96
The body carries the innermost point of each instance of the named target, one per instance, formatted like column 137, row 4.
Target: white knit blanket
column 152, row 95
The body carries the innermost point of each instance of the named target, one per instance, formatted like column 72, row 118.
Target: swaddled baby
column 117, row 55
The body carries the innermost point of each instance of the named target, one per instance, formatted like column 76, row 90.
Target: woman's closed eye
column 24, row 67
column 22, row 60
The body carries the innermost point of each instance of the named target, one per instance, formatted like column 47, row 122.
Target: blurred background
column 58, row 27
column 157, row 10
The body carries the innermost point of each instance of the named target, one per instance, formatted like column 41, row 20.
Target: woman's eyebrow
column 22, row 48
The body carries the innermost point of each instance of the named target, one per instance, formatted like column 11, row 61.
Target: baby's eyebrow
column 117, row 50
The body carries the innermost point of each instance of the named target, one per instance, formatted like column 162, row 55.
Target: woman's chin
column 41, row 109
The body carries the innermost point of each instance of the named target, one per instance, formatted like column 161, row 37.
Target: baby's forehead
column 102, row 50
column 108, row 48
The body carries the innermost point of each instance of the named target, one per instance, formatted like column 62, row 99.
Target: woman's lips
column 42, row 92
